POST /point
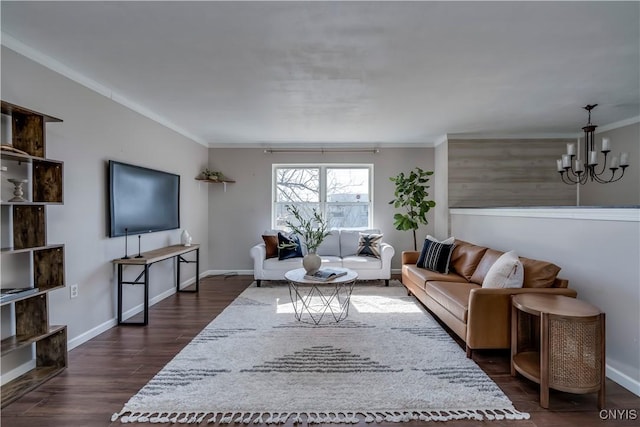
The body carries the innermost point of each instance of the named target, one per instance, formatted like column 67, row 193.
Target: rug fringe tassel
column 336, row 417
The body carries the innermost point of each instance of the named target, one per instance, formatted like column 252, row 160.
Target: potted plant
column 212, row 175
column 312, row 230
column 411, row 196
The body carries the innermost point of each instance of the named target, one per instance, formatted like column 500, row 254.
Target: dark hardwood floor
column 106, row 371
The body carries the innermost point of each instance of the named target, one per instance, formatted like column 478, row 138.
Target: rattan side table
column 558, row 342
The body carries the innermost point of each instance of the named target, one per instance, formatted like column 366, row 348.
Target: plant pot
column 311, row 262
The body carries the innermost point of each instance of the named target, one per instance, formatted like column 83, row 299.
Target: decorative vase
column 17, row 190
column 185, row 238
column 311, row 262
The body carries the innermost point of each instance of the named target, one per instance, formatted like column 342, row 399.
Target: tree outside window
column 342, row 193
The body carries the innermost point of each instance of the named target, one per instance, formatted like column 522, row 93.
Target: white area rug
column 388, row 361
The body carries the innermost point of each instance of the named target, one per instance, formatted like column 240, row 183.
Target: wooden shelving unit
column 26, row 223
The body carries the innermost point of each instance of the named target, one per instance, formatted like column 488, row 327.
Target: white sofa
column 337, row 250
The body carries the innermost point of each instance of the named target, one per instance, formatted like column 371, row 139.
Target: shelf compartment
column 15, row 342
column 28, row 129
column 41, row 292
column 527, row 363
column 48, row 267
column 51, row 360
column 8, row 251
column 47, row 181
column 32, row 316
column 29, row 226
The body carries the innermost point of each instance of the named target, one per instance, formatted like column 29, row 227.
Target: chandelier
column 573, row 170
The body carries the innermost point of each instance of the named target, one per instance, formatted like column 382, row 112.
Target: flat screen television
column 142, row 200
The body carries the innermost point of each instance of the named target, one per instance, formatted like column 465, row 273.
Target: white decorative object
column 311, row 262
column 185, row 238
column 506, row 272
column 17, row 191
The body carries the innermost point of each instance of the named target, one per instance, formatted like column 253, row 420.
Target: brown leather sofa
column 480, row 316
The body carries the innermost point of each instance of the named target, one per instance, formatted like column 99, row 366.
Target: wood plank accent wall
column 507, row 172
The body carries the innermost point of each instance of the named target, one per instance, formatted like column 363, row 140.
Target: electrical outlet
column 73, row 291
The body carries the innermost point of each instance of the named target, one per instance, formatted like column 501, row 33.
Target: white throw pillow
column 448, row 241
column 506, row 272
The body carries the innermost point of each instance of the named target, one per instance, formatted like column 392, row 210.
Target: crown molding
column 571, row 135
column 620, row 124
column 320, row 146
column 46, row 61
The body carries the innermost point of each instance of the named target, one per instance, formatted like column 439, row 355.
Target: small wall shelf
column 221, row 181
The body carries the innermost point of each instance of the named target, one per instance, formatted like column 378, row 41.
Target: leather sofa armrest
column 410, row 257
column 489, row 316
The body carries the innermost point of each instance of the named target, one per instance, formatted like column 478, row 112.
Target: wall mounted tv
column 142, row 200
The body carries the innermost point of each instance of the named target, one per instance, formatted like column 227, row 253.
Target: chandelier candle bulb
column 579, row 166
column 571, row 149
column 559, row 165
column 566, row 161
column 593, row 157
column 624, row 159
column 606, row 145
column 614, row 162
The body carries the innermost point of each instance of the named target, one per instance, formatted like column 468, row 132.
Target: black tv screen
column 142, row 200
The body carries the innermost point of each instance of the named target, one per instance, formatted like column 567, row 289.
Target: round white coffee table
column 313, row 299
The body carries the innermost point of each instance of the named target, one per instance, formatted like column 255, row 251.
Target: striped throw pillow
column 435, row 256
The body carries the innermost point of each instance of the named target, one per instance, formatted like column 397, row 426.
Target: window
column 342, row 193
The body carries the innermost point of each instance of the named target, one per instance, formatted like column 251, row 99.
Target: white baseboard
column 94, row 332
column 229, row 273
column 623, row 379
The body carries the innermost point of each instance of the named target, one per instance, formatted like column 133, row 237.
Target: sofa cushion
column 506, row 272
column 289, row 247
column 488, row 259
column 356, row 262
column 349, row 240
column 454, row 296
column 330, row 245
column 271, row 245
column 538, row 274
column 281, row 265
column 369, row 245
column 466, row 257
column 420, row 276
column 435, row 256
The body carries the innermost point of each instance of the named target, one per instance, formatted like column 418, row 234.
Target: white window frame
column 323, row 204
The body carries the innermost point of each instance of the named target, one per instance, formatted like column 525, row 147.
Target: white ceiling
column 322, row 73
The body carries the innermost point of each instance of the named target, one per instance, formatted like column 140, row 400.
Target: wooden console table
column 558, row 342
column 146, row 259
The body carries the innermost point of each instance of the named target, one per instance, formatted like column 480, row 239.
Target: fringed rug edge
column 318, row 417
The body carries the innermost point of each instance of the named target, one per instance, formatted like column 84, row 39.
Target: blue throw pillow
column 289, row 247
column 435, row 256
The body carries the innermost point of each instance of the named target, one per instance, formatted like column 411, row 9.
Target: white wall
column 240, row 216
column 96, row 129
column 625, row 192
column 441, row 178
column 598, row 250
